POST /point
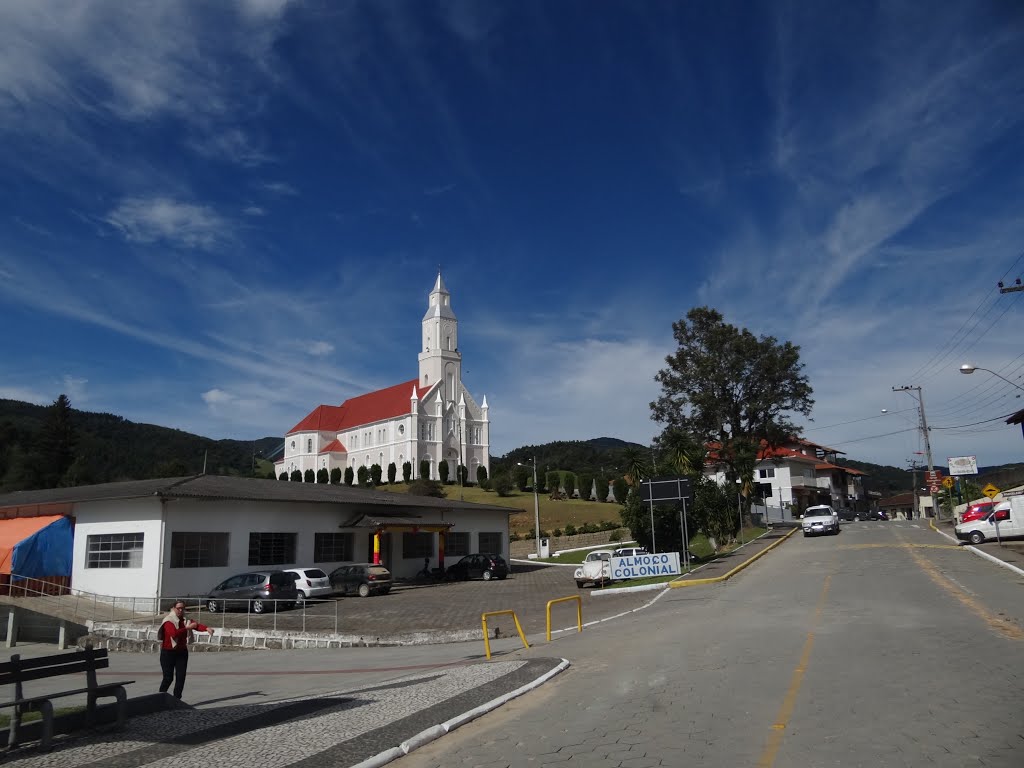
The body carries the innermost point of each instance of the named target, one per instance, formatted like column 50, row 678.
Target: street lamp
column 536, row 504
column 968, row 369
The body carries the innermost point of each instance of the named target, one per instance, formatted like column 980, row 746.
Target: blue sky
column 216, row 216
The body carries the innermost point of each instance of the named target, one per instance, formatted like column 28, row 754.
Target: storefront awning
column 398, row 524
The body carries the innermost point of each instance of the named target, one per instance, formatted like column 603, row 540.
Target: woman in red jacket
column 175, row 633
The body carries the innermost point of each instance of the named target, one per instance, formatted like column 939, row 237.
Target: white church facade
column 430, row 418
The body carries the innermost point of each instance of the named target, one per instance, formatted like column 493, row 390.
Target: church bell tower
column 439, row 358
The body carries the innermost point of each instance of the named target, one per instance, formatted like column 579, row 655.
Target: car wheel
column 580, row 584
column 212, row 606
column 385, row 590
column 976, row 537
column 300, row 598
column 486, row 575
column 258, row 606
column 856, row 518
column 364, row 590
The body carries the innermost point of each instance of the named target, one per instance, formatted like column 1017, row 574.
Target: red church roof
column 364, row 409
column 334, row 446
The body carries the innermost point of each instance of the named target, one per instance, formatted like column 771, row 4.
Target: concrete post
column 12, row 627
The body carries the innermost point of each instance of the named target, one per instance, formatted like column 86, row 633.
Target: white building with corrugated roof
column 430, row 418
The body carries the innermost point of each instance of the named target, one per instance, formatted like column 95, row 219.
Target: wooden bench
column 18, row 671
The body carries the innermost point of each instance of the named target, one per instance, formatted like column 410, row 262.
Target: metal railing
column 78, row 606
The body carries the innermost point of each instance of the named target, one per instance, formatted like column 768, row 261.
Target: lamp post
column 969, row 369
column 536, row 504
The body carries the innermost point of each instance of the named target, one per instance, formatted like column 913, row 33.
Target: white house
column 430, row 418
column 800, row 474
column 180, row 536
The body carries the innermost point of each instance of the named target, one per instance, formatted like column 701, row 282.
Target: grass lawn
column 28, row 717
column 553, row 514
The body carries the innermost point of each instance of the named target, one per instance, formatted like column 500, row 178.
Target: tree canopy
column 726, row 387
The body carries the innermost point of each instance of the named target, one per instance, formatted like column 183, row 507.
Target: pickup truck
column 595, row 569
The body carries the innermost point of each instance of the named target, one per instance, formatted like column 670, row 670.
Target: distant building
column 430, row 418
column 797, row 475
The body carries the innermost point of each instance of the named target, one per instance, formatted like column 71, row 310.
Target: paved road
column 844, row 650
column 884, row 646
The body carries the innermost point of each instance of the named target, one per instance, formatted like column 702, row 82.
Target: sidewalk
column 341, row 706
column 1009, row 554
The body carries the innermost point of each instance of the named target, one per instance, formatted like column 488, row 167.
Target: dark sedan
column 363, row 579
column 485, row 567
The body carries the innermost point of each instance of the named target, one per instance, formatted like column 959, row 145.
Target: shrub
column 406, row 471
column 615, row 536
column 363, row 474
column 392, row 472
column 557, row 532
column 424, row 469
column 442, row 470
column 296, row 476
column 336, row 476
column 513, row 536
column 503, row 485
column 350, row 475
column 322, row 475
column 481, row 475
column 424, row 487
column 375, row 473
column 570, row 529
column 284, row 476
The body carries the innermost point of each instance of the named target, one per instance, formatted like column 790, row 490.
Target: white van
column 1007, row 515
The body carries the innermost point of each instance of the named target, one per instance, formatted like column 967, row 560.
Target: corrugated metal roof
column 240, row 489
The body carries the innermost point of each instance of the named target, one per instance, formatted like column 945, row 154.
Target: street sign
column 963, row 465
column 948, row 482
column 990, row 490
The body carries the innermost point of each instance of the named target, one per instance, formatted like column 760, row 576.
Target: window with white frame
column 490, row 543
column 271, row 548
column 114, row 550
column 332, row 547
column 199, row 550
column 456, row 543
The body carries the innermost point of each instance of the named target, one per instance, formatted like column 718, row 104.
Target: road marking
column 994, row 622
column 771, row 748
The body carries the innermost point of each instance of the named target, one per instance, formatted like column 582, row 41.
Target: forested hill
column 48, row 446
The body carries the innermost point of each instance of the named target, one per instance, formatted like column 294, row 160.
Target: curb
column 980, row 553
column 734, row 571
column 436, row 731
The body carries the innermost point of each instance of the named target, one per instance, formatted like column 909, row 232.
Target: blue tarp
column 46, row 553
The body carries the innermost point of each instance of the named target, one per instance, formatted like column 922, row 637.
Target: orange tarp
column 16, row 530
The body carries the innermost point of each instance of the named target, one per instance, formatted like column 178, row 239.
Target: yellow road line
column 994, row 622
column 771, row 748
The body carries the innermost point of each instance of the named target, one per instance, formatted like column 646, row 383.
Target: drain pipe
column 160, row 560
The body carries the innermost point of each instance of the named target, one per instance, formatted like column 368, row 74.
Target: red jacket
column 176, row 637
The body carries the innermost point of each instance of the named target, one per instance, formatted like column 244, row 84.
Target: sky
column 217, row 216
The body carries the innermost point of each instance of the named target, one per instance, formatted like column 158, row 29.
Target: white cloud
column 278, row 188
column 74, row 388
column 254, row 210
column 321, row 348
column 216, row 397
column 148, row 220
column 25, row 394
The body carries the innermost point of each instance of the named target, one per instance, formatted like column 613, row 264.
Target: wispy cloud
column 148, row 220
column 216, row 396
column 321, row 348
column 254, row 210
column 278, row 188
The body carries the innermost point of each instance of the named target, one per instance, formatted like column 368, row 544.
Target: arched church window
column 309, row 445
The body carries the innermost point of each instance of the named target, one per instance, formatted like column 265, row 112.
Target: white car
column 820, row 519
column 310, row 582
column 595, row 569
column 630, row 551
column 1005, row 521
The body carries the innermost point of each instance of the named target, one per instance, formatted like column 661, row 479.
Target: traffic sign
column 990, row 490
column 948, row 482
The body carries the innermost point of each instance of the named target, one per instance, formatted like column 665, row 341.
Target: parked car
column 363, row 579
column 873, row 514
column 310, row 582
column 977, row 511
column 629, row 552
column 259, row 591
column 848, row 514
column 595, row 569
column 818, row 519
column 486, row 567
column 1008, row 515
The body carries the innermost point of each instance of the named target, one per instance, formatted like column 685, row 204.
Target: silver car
column 259, row 592
column 311, row 582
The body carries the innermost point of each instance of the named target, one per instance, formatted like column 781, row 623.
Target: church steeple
column 439, row 358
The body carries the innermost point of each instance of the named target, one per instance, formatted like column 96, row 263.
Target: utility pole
column 927, row 442
column 1013, row 288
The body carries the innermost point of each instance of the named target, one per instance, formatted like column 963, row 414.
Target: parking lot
column 440, row 608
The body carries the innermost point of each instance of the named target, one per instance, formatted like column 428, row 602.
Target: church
column 427, row 419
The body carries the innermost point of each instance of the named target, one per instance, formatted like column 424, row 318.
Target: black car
column 484, row 566
column 363, row 579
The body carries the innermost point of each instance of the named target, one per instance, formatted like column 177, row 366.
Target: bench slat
column 41, row 673
column 44, row 697
column 99, row 658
